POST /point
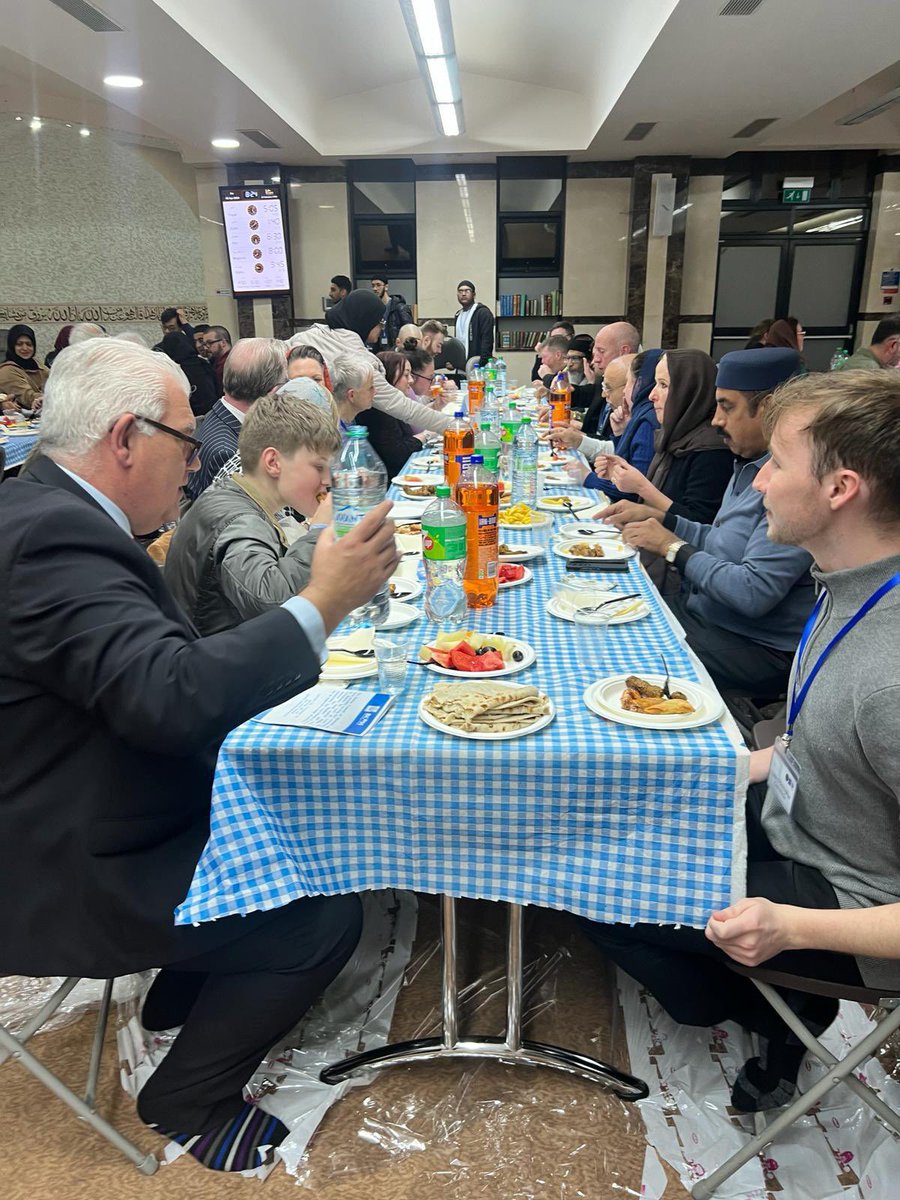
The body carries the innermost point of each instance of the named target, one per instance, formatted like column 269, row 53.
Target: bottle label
column 487, row 546
column 347, row 517
column 491, row 457
column 444, row 542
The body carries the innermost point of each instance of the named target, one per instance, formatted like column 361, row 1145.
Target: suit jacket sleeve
column 91, row 629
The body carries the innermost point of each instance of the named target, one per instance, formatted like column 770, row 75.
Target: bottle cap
column 357, row 431
column 459, row 414
column 526, row 420
column 512, row 404
column 476, row 459
column 442, row 489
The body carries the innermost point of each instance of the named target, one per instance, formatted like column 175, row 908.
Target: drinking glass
column 591, row 634
column 391, row 654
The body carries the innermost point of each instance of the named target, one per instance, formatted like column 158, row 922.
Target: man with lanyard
column 823, row 875
column 743, row 600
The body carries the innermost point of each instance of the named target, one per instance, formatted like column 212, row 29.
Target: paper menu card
column 335, row 710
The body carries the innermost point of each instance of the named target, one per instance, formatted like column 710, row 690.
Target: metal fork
column 665, row 686
column 615, row 600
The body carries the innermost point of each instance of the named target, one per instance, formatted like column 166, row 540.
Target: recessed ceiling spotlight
column 35, row 123
column 123, row 81
column 225, row 143
column 326, row 206
column 85, row 132
column 18, row 118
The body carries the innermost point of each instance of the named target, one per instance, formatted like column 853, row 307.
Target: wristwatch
column 673, row 550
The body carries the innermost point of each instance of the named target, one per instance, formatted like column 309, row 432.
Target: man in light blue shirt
column 744, row 599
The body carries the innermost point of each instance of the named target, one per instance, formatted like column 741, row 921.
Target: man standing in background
column 396, row 311
column 474, row 324
column 340, row 287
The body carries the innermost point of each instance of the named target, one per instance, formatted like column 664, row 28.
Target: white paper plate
column 612, row 551
column 414, row 479
column 474, row 736
column 542, row 524
column 21, row 432
column 603, row 697
column 552, row 504
column 571, row 530
column 526, row 578
column 407, row 589
column 400, row 614
column 511, row 669
column 554, row 477
column 555, row 609
column 351, row 639
column 530, row 552
column 409, row 510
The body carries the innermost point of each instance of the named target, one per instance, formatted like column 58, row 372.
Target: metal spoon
column 355, row 653
column 615, row 600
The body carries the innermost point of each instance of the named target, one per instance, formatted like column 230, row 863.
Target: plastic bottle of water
column 444, row 552
column 838, row 359
column 487, row 444
column 490, row 371
column 358, row 483
column 509, row 423
column 525, row 465
column 501, row 376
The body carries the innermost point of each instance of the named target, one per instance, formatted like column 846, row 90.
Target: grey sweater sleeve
column 753, row 586
column 253, row 576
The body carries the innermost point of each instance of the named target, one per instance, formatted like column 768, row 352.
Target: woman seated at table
column 22, row 377
column 229, row 559
column 391, row 439
column 637, row 428
column 691, row 467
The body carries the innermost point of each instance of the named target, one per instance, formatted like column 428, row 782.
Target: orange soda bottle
column 479, row 498
column 560, row 400
column 476, row 390
column 459, row 439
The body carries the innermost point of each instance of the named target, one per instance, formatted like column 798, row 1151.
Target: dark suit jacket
column 112, row 711
column 219, row 438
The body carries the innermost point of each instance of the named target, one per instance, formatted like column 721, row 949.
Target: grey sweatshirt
column 735, row 577
column 845, row 819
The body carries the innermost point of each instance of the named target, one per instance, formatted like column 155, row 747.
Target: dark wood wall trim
column 695, row 319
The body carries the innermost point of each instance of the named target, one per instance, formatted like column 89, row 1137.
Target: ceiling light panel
column 440, row 80
column 225, row 143
column 431, row 34
column 123, row 81
column 429, row 27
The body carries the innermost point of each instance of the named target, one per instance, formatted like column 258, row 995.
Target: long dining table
column 608, row 821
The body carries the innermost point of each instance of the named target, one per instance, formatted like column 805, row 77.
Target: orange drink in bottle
column 476, row 390
column 560, row 400
column 479, row 498
column 459, row 439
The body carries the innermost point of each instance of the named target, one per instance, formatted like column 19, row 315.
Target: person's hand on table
column 347, row 572
column 8, row 404
column 36, row 405
column 621, row 512
column 577, row 470
column 565, row 436
column 760, row 764
column 752, row 930
column 648, row 534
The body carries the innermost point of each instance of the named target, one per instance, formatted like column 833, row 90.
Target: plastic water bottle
column 509, row 424
column 490, row 371
column 444, row 553
column 487, row 444
column 358, row 483
column 500, row 366
column 525, row 465
column 838, row 359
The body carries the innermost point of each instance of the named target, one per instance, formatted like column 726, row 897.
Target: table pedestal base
column 510, row 1049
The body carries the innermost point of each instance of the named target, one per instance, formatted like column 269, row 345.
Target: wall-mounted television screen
column 255, row 236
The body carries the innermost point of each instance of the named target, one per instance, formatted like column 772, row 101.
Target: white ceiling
column 339, row 80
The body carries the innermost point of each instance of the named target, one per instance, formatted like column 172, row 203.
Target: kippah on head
column 465, row 283
column 757, row 370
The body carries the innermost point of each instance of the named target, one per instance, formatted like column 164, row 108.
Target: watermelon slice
column 491, row 661
column 460, row 661
column 441, row 658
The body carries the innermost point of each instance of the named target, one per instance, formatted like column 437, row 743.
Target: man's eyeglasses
column 427, row 378
column 192, row 455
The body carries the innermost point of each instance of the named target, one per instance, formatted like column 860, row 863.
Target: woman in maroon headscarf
column 62, row 340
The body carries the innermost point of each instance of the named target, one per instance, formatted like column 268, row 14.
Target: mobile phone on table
column 594, row 566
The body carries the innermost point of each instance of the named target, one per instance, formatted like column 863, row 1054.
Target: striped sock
column 234, row 1146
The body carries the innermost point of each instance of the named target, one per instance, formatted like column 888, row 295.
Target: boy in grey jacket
column 229, row 558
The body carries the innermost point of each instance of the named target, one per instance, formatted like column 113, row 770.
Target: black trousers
column 236, row 998
column 689, row 975
column 736, row 663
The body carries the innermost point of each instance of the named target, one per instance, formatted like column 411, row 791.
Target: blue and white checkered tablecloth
column 609, row 821
column 17, row 449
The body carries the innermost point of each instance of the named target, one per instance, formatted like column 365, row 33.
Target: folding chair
column 13, row 1046
column 840, row 1070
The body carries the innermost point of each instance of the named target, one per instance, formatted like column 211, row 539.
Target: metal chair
column 839, row 1070
column 13, row 1046
column 454, row 354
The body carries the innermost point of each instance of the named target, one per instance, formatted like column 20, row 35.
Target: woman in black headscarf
column 200, row 375
column 22, row 377
column 691, row 467
column 362, row 312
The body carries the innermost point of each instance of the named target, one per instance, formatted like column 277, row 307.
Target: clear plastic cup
column 591, row 633
column 391, row 654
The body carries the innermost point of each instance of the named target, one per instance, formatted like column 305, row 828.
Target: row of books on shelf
column 517, row 304
column 524, row 339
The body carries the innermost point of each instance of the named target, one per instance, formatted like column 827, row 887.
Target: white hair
column 131, row 335
column 81, row 333
column 349, row 371
column 95, row 383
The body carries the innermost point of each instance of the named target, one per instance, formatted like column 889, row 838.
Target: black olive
column 481, row 650
column 517, row 655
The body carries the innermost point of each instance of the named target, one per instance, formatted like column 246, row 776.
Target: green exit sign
column 795, row 195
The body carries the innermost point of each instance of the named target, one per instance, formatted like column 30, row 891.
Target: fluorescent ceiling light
column 123, row 81
column 428, row 26
column 449, row 121
column 440, row 80
column 225, row 143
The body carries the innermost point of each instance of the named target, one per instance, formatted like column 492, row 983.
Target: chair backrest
column 2, row 462
column 765, row 732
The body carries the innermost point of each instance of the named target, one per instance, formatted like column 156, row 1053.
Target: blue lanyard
column 797, row 699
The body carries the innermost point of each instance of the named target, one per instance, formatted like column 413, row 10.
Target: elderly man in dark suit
column 114, row 708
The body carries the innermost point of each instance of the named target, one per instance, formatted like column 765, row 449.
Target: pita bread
column 486, row 706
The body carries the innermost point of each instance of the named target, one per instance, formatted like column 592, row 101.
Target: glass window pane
column 837, row 220
column 374, row 198
column 818, row 351
column 754, row 221
column 820, row 284
column 722, row 346
column 385, row 243
column 748, row 283
column 531, row 195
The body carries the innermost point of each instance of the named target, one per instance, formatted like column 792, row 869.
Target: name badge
column 784, row 776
